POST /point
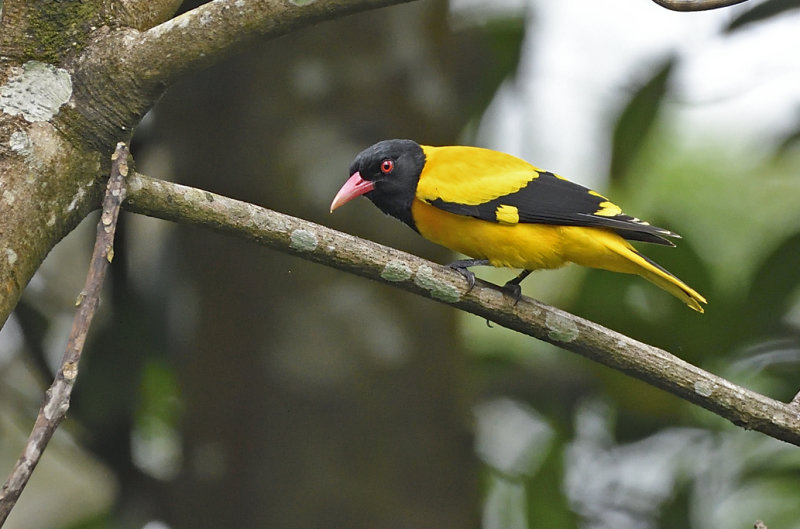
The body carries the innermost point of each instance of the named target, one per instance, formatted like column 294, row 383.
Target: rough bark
column 76, row 77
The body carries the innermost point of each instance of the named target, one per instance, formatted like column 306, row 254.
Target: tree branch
column 696, row 5
column 140, row 65
column 142, row 14
column 56, row 402
column 313, row 242
column 110, row 74
column 214, row 30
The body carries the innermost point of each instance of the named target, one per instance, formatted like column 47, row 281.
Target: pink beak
column 354, row 187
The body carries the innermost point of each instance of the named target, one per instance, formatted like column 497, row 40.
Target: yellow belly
column 528, row 246
column 537, row 246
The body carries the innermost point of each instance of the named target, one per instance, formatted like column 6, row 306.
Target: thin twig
column 696, row 5
column 56, row 401
column 313, row 242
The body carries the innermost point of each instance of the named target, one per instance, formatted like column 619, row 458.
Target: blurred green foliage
column 740, row 218
column 769, row 9
column 636, row 121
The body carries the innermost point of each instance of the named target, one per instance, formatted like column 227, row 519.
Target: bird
column 499, row 210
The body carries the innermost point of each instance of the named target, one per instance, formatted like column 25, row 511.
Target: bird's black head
column 386, row 173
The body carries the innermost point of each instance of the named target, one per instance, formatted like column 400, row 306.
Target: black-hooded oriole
column 502, row 211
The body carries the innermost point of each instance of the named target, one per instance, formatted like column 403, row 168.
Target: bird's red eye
column 387, row 166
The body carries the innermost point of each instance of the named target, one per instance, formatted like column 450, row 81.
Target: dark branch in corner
column 142, row 14
column 142, row 64
column 313, row 242
column 56, row 401
column 215, row 30
column 696, row 5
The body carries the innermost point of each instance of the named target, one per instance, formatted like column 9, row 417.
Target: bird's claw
column 468, row 275
column 513, row 287
column 462, row 267
column 514, row 290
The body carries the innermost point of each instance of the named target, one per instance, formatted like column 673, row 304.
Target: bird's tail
column 620, row 256
column 661, row 277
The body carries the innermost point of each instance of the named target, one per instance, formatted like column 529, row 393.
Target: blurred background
column 227, row 385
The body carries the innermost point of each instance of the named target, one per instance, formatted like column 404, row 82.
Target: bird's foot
column 513, row 287
column 462, row 267
column 513, row 290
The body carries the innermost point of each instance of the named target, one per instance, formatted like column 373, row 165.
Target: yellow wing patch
column 471, row 175
column 608, row 209
column 507, row 214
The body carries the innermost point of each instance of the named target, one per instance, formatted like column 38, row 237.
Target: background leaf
column 637, row 119
column 762, row 11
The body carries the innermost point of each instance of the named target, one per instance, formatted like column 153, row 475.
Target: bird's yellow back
column 471, row 175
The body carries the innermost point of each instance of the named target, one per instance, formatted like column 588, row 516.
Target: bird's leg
column 513, row 286
column 462, row 267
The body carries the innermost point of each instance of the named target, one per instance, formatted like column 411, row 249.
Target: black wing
column 549, row 199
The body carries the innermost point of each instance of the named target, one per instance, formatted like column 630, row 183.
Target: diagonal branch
column 313, row 242
column 56, row 401
column 696, row 5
